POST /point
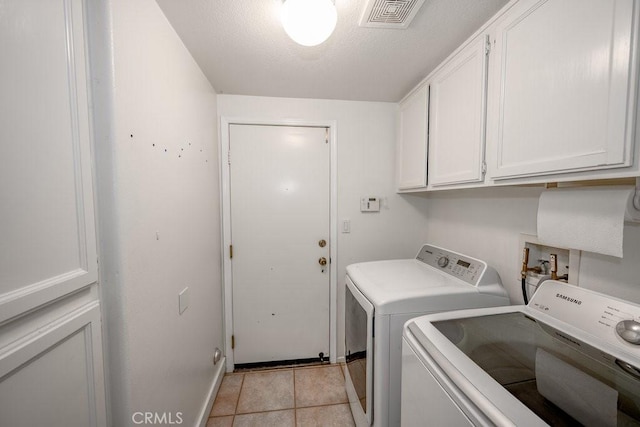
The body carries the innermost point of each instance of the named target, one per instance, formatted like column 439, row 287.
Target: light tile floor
column 301, row 397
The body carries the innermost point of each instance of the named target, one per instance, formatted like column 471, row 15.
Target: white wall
column 366, row 152
column 156, row 155
column 486, row 223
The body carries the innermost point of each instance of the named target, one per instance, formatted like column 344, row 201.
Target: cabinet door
column 412, row 150
column 51, row 369
column 48, row 247
column 562, row 87
column 457, row 112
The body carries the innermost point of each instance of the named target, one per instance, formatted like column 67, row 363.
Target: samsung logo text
column 569, row 299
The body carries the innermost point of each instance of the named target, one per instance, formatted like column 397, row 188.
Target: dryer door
column 359, row 337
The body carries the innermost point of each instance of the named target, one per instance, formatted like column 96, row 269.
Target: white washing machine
column 380, row 297
column 570, row 357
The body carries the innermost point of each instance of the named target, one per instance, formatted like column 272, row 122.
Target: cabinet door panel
column 457, row 117
column 412, row 162
column 47, row 248
column 53, row 376
column 560, row 78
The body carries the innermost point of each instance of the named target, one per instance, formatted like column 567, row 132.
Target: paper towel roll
column 587, row 218
column 589, row 401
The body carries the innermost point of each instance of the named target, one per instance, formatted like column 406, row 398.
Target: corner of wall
column 157, row 169
column 100, row 46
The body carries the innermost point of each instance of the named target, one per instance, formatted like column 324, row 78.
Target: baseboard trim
column 213, row 391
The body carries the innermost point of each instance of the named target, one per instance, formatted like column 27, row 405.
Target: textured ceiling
column 243, row 50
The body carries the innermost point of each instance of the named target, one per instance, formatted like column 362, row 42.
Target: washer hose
column 524, row 291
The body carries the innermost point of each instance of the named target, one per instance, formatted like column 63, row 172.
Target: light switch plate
column 183, row 300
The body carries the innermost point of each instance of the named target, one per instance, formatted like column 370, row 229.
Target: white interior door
column 280, row 193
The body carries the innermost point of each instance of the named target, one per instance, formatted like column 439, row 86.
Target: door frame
column 225, row 212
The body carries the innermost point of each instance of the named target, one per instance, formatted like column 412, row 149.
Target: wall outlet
column 183, row 300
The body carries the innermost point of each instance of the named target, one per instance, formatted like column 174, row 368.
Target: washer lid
column 508, row 360
column 411, row 286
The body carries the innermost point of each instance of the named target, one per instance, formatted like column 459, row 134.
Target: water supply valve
column 553, row 262
column 525, row 264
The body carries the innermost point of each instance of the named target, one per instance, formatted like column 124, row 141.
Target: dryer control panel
column 461, row 266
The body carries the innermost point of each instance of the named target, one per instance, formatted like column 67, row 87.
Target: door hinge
column 233, row 342
column 487, row 46
column 229, row 157
column 484, row 168
column 230, row 251
column 326, row 135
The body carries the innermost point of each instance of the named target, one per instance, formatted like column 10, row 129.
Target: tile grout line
column 286, row 409
column 295, row 404
column 235, row 410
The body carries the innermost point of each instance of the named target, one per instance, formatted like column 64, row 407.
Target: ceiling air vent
column 389, row 13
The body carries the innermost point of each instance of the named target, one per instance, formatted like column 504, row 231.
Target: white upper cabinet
column 457, row 112
column 562, row 87
column 412, row 145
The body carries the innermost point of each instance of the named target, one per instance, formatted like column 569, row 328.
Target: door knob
column 322, row 261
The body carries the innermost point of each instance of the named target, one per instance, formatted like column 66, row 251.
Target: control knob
column 443, row 261
column 629, row 330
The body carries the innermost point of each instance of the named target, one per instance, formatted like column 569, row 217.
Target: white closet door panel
column 561, row 81
column 53, row 376
column 457, row 117
column 48, row 240
column 412, row 163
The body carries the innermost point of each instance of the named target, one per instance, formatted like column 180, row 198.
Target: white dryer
column 380, row 297
column 570, row 357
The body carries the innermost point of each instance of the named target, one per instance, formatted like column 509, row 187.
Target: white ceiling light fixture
column 309, row 22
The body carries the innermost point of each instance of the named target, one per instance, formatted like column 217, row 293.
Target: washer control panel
column 461, row 266
column 611, row 319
